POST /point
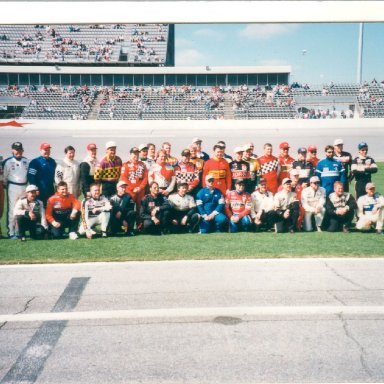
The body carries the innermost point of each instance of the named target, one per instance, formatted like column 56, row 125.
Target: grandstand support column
column 228, row 107
column 360, row 54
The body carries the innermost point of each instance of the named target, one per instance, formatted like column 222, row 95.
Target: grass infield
column 195, row 246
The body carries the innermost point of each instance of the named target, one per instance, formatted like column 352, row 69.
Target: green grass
column 183, row 247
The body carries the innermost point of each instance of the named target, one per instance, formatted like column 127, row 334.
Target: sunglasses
column 314, row 152
column 316, row 182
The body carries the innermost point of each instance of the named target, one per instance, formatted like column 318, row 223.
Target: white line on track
column 171, row 313
column 122, row 136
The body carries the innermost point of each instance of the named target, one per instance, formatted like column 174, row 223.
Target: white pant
column 102, row 219
column 364, row 222
column 319, row 217
column 14, row 192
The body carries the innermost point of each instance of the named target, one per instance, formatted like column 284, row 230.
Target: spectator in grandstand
column 41, row 172
column 363, row 166
column 262, row 211
column 123, row 213
column 304, row 167
column 370, row 210
column 68, row 170
column 1, row 193
column 87, row 169
column 143, row 156
column 184, row 215
column 151, row 151
column 286, row 206
column 95, row 210
column 186, row 172
column 171, row 160
column 63, row 211
column 285, row 161
column 226, row 156
column 238, row 204
column 30, row 215
column 200, row 153
column 340, row 209
column 155, row 211
column 313, row 201
column 163, row 174
column 240, row 170
column 218, row 168
column 14, row 175
column 254, row 166
column 269, row 168
column 345, row 159
column 108, row 170
column 330, row 170
column 135, row 175
column 312, row 155
column 210, row 204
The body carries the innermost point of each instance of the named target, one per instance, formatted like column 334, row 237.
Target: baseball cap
column 17, row 146
column 338, row 142
column 239, row 181
column 134, row 149
column 121, row 183
column 45, row 146
column 238, row 149
column 302, row 150
column 294, row 172
column 143, row 146
column 91, row 146
column 186, row 152
column 284, row 145
column 110, row 144
column 209, row 177
column 196, row 140
column 262, row 180
column 363, row 144
column 314, row 179
column 31, row 188
column 247, row 146
column 370, row 186
column 312, row 148
column 287, row 180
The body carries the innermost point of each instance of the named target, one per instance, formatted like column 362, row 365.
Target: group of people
column 156, row 193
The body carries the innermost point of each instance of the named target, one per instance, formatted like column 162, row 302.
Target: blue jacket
column 208, row 201
column 329, row 171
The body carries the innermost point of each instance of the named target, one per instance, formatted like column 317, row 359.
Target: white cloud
column 266, row 31
column 189, row 57
column 210, row 33
column 180, row 42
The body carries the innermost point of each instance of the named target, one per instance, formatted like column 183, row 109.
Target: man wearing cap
column 362, row 168
column 305, row 168
column 340, row 209
column 143, row 156
column 345, row 159
column 285, row 161
column 69, row 171
column 210, row 204
column 240, row 170
column 87, row 169
column 123, row 215
column 200, row 154
column 30, row 215
column 63, row 211
column 238, row 204
column 330, row 170
column 15, row 170
column 312, row 155
column 41, row 172
column 313, row 201
column 370, row 210
column 269, row 168
column 249, row 148
column 95, row 210
column 254, row 167
column 184, row 214
column 223, row 145
column 218, row 168
column 286, row 207
column 163, row 173
column 186, row 172
column 108, row 170
column 170, row 160
column 262, row 211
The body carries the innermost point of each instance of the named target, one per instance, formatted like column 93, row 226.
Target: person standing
column 254, row 167
column 285, row 161
column 345, row 159
column 185, row 172
column 312, row 155
column 143, row 156
column 163, row 174
column 269, row 168
column 15, row 171
column 170, row 160
column 87, row 169
column 69, row 171
column 240, row 170
column 305, row 168
column 41, row 172
column 108, row 170
column 363, row 166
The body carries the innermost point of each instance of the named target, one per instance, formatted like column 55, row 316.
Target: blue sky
column 330, row 49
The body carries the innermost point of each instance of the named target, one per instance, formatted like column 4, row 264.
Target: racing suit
column 69, row 171
column 367, row 205
column 238, row 205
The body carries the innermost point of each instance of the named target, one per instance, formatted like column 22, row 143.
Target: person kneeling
column 95, row 210
column 30, row 215
column 184, row 214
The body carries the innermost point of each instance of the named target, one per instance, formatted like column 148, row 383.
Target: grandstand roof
column 144, row 70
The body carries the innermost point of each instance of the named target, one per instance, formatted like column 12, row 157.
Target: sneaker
column 131, row 233
column 319, row 229
column 379, row 232
column 14, row 237
column 345, row 229
column 23, row 238
column 73, row 236
column 104, row 234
